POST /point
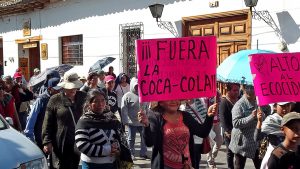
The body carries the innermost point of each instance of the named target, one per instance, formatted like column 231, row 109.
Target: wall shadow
column 289, row 28
column 73, row 10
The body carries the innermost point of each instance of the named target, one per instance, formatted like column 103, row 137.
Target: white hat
column 283, row 103
column 70, row 81
column 36, row 70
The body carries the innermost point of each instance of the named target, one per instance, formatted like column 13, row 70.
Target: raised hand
column 143, row 118
column 212, row 110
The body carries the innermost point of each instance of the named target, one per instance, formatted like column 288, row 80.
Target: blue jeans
column 86, row 165
column 23, row 119
column 131, row 139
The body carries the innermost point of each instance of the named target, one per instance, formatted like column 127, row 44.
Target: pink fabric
column 175, row 144
column 109, row 78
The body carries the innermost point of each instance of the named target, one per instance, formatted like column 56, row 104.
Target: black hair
column 91, row 75
column 118, row 80
column 229, row 86
column 158, row 108
column 91, row 95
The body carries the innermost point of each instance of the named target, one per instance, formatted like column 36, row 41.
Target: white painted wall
column 98, row 21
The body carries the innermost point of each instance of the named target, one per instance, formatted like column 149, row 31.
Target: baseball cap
column 109, row 78
column 289, row 117
column 17, row 75
column 283, row 103
column 53, row 83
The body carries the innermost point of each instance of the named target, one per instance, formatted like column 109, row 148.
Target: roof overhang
column 12, row 7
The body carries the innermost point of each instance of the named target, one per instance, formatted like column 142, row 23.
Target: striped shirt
column 94, row 143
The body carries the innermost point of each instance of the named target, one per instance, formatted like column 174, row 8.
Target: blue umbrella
column 236, row 68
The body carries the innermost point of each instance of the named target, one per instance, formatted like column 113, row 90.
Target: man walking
column 35, row 119
column 225, row 108
column 130, row 107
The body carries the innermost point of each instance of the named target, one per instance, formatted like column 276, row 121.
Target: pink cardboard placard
column 276, row 77
column 176, row 68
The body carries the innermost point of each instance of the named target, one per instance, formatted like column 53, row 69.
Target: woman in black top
column 168, row 123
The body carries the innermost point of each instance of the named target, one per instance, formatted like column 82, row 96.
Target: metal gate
column 129, row 32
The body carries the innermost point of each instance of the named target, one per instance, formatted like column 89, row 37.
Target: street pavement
column 221, row 161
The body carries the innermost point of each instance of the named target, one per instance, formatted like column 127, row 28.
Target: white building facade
column 80, row 32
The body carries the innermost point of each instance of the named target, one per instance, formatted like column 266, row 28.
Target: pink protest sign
column 276, row 77
column 176, row 68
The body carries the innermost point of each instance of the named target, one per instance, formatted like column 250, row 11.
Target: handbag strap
column 71, row 112
column 121, row 89
column 194, row 111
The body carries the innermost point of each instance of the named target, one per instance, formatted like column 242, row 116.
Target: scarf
column 107, row 120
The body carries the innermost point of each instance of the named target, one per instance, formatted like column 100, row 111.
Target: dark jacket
column 154, row 135
column 225, row 108
column 58, row 127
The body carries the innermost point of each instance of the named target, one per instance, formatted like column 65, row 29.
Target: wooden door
column 34, row 58
column 232, row 29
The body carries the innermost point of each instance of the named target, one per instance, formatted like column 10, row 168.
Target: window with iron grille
column 128, row 34
column 72, row 50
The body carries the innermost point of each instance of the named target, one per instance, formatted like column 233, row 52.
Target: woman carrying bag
column 99, row 135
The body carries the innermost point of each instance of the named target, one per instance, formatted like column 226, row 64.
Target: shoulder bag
column 206, row 148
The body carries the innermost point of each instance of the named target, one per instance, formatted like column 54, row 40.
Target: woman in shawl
column 99, row 136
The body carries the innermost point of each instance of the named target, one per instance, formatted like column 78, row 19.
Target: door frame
column 187, row 22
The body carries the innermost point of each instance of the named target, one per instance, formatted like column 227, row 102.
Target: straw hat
column 70, row 81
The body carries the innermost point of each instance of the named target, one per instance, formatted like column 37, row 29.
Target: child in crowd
column 284, row 156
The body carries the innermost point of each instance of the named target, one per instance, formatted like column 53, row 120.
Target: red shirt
column 8, row 110
column 176, row 143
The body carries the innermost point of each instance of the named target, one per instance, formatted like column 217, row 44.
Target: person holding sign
column 170, row 132
column 270, row 130
column 244, row 122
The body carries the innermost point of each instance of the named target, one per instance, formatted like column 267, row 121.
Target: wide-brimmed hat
column 70, row 81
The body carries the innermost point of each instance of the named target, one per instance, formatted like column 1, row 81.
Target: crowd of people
column 95, row 120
